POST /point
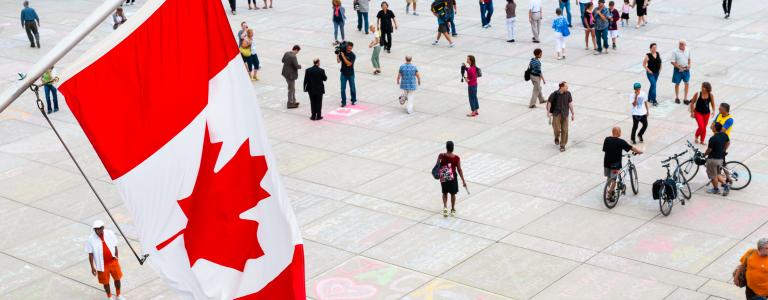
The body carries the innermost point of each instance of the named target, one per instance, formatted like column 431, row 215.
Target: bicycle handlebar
column 674, row 156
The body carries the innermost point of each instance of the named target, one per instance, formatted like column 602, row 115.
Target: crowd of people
column 601, row 23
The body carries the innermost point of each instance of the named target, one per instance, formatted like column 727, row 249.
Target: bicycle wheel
column 689, row 169
column 633, row 180
column 685, row 190
column 610, row 199
column 665, row 205
column 740, row 176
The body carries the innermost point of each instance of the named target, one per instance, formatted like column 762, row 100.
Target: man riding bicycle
column 614, row 146
column 716, row 150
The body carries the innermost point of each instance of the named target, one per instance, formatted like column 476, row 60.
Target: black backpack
column 669, row 189
column 527, row 74
column 440, row 7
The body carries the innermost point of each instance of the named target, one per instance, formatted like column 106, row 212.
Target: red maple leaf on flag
column 215, row 231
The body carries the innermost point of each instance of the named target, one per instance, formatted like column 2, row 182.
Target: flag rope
column 36, row 89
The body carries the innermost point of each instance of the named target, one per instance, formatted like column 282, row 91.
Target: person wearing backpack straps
column 752, row 273
column 449, row 167
column 537, row 78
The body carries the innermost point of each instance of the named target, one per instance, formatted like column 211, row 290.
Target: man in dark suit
column 313, row 84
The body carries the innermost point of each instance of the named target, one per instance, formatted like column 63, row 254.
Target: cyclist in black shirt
column 716, row 150
column 614, row 147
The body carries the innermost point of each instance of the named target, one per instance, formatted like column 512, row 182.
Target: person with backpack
column 470, row 74
column 560, row 25
column 751, row 274
column 448, row 166
column 536, row 77
column 440, row 11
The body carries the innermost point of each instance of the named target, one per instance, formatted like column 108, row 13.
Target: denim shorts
column 678, row 76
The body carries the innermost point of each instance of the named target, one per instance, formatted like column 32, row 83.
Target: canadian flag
column 167, row 105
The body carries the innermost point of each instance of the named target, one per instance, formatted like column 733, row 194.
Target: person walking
column 30, row 22
column 652, row 66
column 639, row 113
column 752, row 265
column 614, row 147
column 440, row 11
column 588, row 21
column 48, row 80
column 347, row 60
column 314, row 78
column 642, row 11
column 409, row 79
column 408, row 4
column 602, row 18
column 534, row 17
column 103, row 257
column 254, row 6
column 376, row 45
column 486, row 11
column 291, row 68
column 565, row 7
column 362, row 7
column 471, row 72
column 559, row 106
column 560, row 25
column 715, row 153
column 510, row 10
column 681, row 61
column 339, row 17
column 265, row 4
column 253, row 60
column 233, row 6
column 452, row 10
column 702, row 107
column 727, row 8
column 387, row 24
column 613, row 28
column 130, row 2
column 118, row 18
column 450, row 166
column 537, row 78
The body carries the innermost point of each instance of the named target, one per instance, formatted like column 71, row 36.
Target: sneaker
column 445, row 212
column 686, row 102
column 510, row 41
column 451, row 45
column 726, row 190
column 655, row 103
column 454, row 35
column 415, row 14
column 713, row 191
column 597, row 53
column 453, row 212
column 434, row 43
column 641, row 138
column 562, row 148
column 727, row 16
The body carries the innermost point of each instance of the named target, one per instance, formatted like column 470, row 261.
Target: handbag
column 436, row 168
column 403, row 98
column 740, row 274
column 527, row 74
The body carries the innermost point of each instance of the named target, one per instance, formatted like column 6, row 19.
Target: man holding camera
column 346, row 57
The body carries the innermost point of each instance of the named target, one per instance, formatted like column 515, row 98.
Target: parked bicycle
column 614, row 188
column 673, row 186
column 737, row 174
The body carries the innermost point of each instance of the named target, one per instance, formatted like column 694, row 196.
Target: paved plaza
column 534, row 225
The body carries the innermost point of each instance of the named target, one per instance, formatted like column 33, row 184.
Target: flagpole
column 62, row 48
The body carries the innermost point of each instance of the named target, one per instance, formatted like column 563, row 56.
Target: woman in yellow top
column 756, row 261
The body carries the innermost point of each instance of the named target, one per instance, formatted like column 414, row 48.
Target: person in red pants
column 702, row 107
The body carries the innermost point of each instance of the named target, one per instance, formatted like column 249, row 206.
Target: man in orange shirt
column 102, row 254
column 756, row 261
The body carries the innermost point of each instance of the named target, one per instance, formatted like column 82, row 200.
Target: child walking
column 613, row 28
column 560, row 25
column 625, row 10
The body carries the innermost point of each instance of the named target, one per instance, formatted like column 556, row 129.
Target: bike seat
column 665, row 166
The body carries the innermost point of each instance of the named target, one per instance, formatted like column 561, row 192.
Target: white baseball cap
column 98, row 224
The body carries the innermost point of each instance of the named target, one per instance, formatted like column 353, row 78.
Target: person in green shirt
column 48, row 79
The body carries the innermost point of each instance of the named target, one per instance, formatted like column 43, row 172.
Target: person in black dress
column 642, row 11
column 386, row 24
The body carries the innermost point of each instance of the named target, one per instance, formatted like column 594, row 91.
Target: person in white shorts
column 613, row 28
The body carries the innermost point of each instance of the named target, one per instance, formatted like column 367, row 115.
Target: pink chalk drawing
column 339, row 288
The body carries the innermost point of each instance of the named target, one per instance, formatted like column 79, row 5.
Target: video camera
column 341, row 48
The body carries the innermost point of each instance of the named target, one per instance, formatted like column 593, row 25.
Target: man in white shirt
column 534, row 16
column 681, row 60
column 103, row 257
column 639, row 112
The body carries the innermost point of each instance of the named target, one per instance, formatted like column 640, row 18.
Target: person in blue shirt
column 30, row 22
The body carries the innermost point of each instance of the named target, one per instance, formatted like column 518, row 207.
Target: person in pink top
column 470, row 73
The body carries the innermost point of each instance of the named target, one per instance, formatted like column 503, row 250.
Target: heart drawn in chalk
column 337, row 288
